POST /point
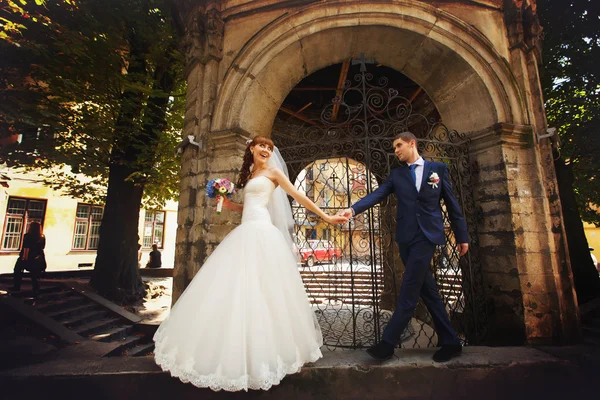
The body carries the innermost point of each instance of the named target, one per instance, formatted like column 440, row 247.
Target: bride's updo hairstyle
column 249, row 160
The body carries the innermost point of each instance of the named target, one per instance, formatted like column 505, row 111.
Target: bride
column 244, row 321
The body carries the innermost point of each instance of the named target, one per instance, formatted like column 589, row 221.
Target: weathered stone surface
column 474, row 60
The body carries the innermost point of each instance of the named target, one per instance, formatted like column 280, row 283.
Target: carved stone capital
column 203, row 38
column 501, row 134
column 193, row 44
column 215, row 33
column 229, row 141
column 523, row 25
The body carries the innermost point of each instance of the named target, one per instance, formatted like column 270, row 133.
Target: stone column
column 202, row 45
column 521, row 263
column 525, row 38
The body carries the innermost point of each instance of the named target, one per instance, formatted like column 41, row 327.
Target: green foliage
column 66, row 68
column 571, row 80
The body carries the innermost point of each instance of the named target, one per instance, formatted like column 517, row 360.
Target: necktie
column 413, row 173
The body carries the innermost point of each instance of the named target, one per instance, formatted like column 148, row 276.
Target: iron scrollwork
column 343, row 156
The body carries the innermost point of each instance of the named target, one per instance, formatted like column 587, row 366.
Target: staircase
column 345, row 287
column 77, row 316
column 357, row 287
column 450, row 285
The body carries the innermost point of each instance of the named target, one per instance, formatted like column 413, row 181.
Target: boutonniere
column 433, row 180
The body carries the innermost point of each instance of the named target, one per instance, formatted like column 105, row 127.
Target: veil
column 279, row 206
column 280, row 211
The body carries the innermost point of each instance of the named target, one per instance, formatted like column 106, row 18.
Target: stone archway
column 477, row 61
column 470, row 83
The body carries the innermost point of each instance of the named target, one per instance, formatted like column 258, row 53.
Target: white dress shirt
column 420, row 165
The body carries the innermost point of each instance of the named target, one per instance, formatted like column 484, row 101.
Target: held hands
column 346, row 213
column 340, row 218
column 336, row 219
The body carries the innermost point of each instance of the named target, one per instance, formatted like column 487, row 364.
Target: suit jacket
column 420, row 209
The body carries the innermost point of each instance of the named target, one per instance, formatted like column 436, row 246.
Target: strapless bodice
column 257, row 194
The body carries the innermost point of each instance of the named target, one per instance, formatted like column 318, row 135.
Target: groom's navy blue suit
column 419, row 228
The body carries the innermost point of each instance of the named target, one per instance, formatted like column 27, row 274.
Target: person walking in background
column 31, row 258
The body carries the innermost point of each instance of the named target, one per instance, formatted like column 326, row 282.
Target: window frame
column 161, row 243
column 90, row 223
column 25, row 220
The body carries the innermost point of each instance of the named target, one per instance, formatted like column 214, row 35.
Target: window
column 310, row 187
column 87, row 227
column 20, row 213
column 311, row 233
column 154, row 229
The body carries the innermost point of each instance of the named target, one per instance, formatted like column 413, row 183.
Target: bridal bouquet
column 218, row 188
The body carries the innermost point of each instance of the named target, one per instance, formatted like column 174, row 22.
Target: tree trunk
column 116, row 272
column 585, row 275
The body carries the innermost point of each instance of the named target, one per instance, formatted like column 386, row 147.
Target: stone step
column 52, row 296
column 366, row 277
column 340, row 292
column 78, row 320
column 140, row 350
column 95, row 327
column 126, row 343
column 480, row 373
column 452, row 278
column 333, row 275
column 113, row 334
column 341, row 288
column 340, row 273
column 27, row 294
column 53, row 288
column 347, row 282
column 74, row 311
column 362, row 302
column 61, row 304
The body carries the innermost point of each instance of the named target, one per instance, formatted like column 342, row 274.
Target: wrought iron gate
column 352, row 273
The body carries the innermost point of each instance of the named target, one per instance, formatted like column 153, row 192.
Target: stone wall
column 477, row 61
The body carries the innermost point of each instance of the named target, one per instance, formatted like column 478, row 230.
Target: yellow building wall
column 59, row 225
column 593, row 237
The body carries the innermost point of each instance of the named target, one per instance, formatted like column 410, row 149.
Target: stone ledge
column 481, row 373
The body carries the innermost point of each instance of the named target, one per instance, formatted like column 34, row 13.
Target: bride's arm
column 301, row 198
column 233, row 206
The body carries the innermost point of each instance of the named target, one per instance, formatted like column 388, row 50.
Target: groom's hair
column 406, row 136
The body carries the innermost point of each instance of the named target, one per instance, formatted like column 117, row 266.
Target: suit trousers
column 418, row 281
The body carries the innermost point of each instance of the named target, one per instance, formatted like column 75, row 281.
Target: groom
column 419, row 185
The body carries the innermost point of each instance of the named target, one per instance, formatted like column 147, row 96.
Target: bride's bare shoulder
column 274, row 174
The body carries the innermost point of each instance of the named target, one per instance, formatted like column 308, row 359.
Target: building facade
column 71, row 226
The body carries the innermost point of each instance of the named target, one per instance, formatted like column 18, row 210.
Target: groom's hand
column 346, row 213
column 462, row 249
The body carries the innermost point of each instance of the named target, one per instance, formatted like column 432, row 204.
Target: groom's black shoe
column 382, row 351
column 447, row 352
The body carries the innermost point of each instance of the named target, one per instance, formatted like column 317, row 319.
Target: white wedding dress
column 244, row 321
